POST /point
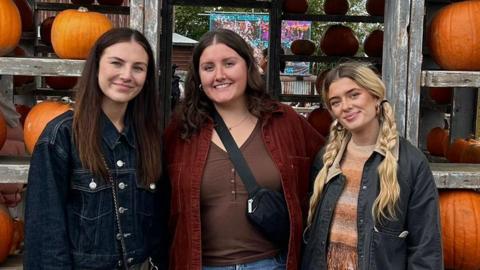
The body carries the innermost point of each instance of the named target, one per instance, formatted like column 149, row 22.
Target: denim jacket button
column 122, row 210
column 120, row 163
column 119, row 236
column 153, row 186
column 92, row 185
column 121, row 185
column 130, row 260
column 120, row 263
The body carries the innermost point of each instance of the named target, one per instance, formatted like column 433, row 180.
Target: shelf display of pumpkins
column 452, row 36
column 10, row 26
column 339, row 40
column 75, row 31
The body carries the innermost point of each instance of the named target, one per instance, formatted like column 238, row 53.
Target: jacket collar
column 110, row 134
column 335, row 170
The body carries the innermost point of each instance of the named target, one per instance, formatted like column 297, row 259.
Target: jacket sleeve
column 424, row 239
column 46, row 240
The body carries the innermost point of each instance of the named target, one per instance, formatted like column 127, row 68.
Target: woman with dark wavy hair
column 94, row 199
column 208, row 221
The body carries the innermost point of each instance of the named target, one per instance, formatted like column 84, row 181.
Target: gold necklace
column 239, row 123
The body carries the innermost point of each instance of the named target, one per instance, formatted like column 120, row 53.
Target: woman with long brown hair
column 374, row 202
column 93, row 198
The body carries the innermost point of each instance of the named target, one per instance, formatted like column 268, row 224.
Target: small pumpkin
column 46, row 30
column 26, row 15
column 10, row 26
column 61, row 82
column 456, row 149
column 375, row 7
column 339, row 40
column 110, row 2
column 471, row 153
column 441, row 95
column 335, row 7
column 6, row 233
column 302, row 47
column 295, row 6
column 38, row 118
column 453, row 36
column 75, row 31
column 373, row 44
column 459, row 212
column 437, row 141
column 321, row 120
column 23, row 111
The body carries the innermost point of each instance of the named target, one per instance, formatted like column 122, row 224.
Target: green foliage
column 190, row 21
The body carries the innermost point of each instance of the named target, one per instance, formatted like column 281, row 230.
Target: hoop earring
column 338, row 126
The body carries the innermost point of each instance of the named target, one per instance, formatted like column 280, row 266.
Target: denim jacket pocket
column 388, row 250
column 92, row 212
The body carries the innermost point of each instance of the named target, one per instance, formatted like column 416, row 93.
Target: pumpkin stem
column 83, row 9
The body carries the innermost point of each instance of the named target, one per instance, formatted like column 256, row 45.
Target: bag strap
column 235, row 155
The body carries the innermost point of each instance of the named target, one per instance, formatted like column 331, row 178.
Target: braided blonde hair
column 384, row 205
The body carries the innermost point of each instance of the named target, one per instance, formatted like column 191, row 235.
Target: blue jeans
column 275, row 263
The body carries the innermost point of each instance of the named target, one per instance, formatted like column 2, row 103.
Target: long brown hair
column 384, row 205
column 197, row 107
column 143, row 110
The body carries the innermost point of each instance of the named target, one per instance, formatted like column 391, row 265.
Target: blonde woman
column 374, row 202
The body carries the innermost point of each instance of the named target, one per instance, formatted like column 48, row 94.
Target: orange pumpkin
column 321, row 120
column 459, row 212
column 46, row 30
column 10, row 26
column 375, row 7
column 441, row 95
column 471, row 153
column 437, row 141
column 373, row 44
column 26, row 15
column 339, row 40
column 61, row 82
column 75, row 31
column 295, row 6
column 456, row 149
column 453, row 36
column 335, row 7
column 6, row 233
column 302, row 47
column 38, row 118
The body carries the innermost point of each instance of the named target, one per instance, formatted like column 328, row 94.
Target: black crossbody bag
column 266, row 209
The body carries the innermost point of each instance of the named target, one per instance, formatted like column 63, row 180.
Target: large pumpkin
column 302, row 47
column 320, row 119
column 335, row 7
column 454, row 36
column 471, row 153
column 26, row 15
column 6, row 233
column 437, row 141
column 38, row 118
column 373, row 44
column 75, row 31
column 295, row 6
column 339, row 40
column 459, row 215
column 10, row 26
column 375, row 7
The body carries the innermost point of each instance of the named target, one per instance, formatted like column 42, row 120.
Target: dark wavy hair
column 197, row 107
column 146, row 105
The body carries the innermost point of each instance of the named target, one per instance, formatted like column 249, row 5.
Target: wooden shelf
column 123, row 10
column 331, row 18
column 217, row 3
column 40, row 66
column 442, row 78
column 14, row 169
column 450, row 175
column 331, row 59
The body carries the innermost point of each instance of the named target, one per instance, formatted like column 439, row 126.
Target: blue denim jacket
column 70, row 218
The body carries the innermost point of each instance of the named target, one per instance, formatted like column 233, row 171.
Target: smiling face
column 353, row 106
column 122, row 72
column 223, row 75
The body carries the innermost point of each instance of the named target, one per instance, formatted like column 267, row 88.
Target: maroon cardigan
column 291, row 142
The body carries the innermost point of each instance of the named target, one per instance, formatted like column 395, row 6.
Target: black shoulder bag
column 266, row 209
